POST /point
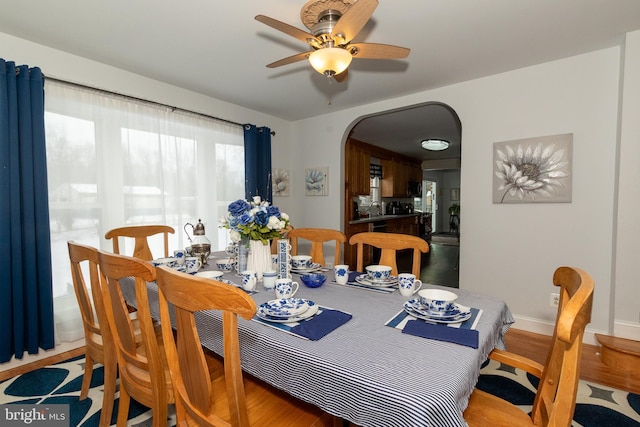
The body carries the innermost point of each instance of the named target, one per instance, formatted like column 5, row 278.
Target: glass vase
column 259, row 259
column 243, row 255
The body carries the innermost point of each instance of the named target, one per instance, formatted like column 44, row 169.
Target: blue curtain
column 26, row 296
column 257, row 162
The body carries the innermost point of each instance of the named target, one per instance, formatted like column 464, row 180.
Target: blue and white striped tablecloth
column 365, row 372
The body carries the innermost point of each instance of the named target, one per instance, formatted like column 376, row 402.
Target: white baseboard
column 627, row 330
column 546, row 328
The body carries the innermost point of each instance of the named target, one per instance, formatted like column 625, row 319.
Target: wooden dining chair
column 389, row 243
column 555, row 399
column 99, row 344
column 140, row 233
column 144, row 373
column 220, row 396
column 317, row 236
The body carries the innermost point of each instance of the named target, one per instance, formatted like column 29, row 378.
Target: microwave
column 414, row 189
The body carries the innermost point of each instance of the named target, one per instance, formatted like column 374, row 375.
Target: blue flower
column 239, row 207
column 273, row 211
column 262, row 218
column 245, row 219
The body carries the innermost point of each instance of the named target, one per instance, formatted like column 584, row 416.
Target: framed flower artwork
column 316, row 181
column 533, row 170
column 280, row 178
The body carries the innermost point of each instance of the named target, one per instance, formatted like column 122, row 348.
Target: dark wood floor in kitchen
column 439, row 266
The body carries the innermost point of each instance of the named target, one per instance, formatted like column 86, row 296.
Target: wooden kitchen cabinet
column 395, row 177
column 406, row 225
column 415, row 173
column 357, row 176
column 350, row 252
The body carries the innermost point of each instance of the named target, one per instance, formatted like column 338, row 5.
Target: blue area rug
column 596, row 405
column 60, row 384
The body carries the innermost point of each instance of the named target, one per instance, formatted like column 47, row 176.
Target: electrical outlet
column 554, row 299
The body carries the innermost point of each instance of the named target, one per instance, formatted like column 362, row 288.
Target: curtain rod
column 135, row 98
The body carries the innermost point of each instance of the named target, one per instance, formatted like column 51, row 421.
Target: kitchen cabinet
column 357, row 160
column 405, row 225
column 396, row 174
column 350, row 252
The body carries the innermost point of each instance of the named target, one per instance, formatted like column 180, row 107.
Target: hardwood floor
column 439, row 266
column 535, row 346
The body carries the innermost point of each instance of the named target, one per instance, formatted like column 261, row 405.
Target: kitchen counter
column 382, row 218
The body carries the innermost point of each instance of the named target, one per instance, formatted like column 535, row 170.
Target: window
column 113, row 162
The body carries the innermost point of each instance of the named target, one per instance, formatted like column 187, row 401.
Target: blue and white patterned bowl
column 438, row 300
column 378, row 273
column 226, row 264
column 169, row 262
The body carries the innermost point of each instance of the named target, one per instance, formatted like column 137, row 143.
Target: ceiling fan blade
column 290, row 59
column 342, row 76
column 377, row 51
column 353, row 20
column 289, row 29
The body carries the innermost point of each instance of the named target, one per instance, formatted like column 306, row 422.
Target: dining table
column 366, row 371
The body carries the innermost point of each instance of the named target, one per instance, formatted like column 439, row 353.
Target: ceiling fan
column 332, row 25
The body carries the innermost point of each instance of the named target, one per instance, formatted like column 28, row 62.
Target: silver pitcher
column 200, row 245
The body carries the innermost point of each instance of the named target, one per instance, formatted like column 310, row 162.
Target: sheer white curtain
column 113, row 161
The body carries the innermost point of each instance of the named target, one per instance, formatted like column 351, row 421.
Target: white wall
column 627, row 289
column 508, row 251
column 511, row 251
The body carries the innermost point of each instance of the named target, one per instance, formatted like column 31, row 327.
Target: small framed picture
column 316, row 181
column 455, row 194
column 280, row 178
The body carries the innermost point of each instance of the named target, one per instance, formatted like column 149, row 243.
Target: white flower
column 275, row 223
column 222, row 221
column 530, row 172
column 257, row 200
column 235, row 236
column 284, row 216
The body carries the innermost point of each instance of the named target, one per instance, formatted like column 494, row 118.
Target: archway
column 401, row 131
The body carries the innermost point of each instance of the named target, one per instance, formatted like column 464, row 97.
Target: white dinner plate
column 458, row 319
column 284, row 307
column 312, row 310
column 416, row 305
column 364, row 279
column 208, row 275
column 310, row 269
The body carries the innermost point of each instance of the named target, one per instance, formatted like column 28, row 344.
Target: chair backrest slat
column 389, row 243
column 317, row 237
column 140, row 233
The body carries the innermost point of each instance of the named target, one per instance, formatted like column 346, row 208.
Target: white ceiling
column 216, row 47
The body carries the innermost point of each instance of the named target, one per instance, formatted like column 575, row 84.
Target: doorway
column 401, row 131
column 431, row 202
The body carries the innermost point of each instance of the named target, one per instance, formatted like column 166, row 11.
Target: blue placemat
column 320, row 325
column 463, row 333
column 314, row 328
column 420, row 328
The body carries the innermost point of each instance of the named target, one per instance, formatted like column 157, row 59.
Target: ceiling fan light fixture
column 330, row 60
column 434, row 144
